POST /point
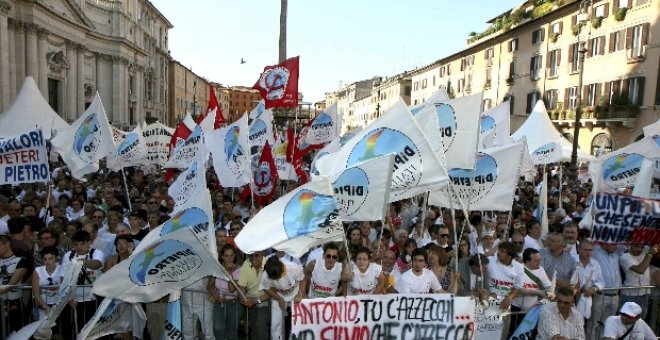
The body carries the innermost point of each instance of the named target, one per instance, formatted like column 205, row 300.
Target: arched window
column 601, row 144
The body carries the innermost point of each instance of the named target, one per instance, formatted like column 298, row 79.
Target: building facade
column 189, row 93
column 73, row 49
column 242, row 99
column 222, row 96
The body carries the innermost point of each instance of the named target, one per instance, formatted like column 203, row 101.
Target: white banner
column 393, row 316
column 157, row 137
column 490, row 186
column 185, row 151
column 190, row 183
column 114, row 317
column 495, row 126
column 547, row 153
column 86, row 141
column 231, row 153
column 131, row 149
column 488, row 323
column 362, row 191
column 23, row 158
column 258, row 110
column 416, row 167
column 459, row 128
column 619, row 169
column 304, row 210
column 173, row 262
column 324, row 128
column 261, row 130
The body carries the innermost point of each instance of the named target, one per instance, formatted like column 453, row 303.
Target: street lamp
column 582, row 19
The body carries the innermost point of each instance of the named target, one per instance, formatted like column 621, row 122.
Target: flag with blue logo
column 186, row 150
column 325, row 127
column 547, row 153
column 527, row 327
column 86, row 141
column 131, row 149
column 231, row 153
column 173, row 330
column 495, row 126
column 190, row 183
column 304, row 210
column 114, row 317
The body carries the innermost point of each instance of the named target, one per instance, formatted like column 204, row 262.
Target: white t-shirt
column 49, row 289
column 425, row 283
column 527, row 302
column 324, row 282
column 614, row 329
column 287, row 286
column 85, row 293
column 504, row 278
column 364, row 283
column 633, row 279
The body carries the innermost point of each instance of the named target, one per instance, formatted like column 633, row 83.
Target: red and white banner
column 278, row 84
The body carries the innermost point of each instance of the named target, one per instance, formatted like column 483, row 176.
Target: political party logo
column 263, row 179
column 164, row 261
column 129, row 145
column 274, row 81
column 545, row 152
column 308, row 211
column 473, row 184
column 87, row 139
column 185, row 150
column 194, row 218
column 258, row 131
column 383, row 141
column 234, row 151
column 351, row 190
column 111, row 315
column 189, row 185
column 487, row 130
column 448, row 125
column 621, row 170
column 322, row 127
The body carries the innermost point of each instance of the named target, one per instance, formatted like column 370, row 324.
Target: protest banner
column 626, row 219
column 157, row 137
column 401, row 316
column 23, row 158
column 488, row 321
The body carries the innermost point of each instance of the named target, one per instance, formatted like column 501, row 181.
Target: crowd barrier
column 197, row 315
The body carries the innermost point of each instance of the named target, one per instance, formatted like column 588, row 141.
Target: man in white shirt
column 590, row 278
column 560, row 320
column 322, row 277
column 627, row 325
column 505, row 274
column 635, row 265
column 418, row 279
column 533, row 237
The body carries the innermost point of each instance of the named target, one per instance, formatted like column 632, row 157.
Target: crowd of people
column 592, row 290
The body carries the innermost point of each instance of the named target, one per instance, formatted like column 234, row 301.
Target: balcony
column 626, row 115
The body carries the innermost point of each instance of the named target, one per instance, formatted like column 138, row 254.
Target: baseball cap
column 490, row 233
column 631, row 309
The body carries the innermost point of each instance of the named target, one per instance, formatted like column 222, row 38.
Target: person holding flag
column 282, row 283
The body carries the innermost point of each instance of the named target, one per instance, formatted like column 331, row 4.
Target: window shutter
column 531, row 65
column 585, row 96
column 611, row 45
column 548, row 59
column 629, row 4
column 615, row 5
column 629, row 31
column 566, row 97
column 529, row 103
column 606, row 10
column 571, row 51
column 597, row 96
column 645, row 33
column 542, row 34
column 601, row 50
column 573, row 20
column 590, row 47
column 608, row 92
column 558, row 56
column 561, row 27
column 624, row 87
column 510, row 43
column 640, row 92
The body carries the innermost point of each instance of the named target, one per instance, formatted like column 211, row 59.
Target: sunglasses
column 518, row 243
column 152, row 202
column 334, row 257
column 97, row 216
column 628, row 316
column 444, row 235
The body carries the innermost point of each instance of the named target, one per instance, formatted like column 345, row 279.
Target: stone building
column 74, row 48
column 189, row 92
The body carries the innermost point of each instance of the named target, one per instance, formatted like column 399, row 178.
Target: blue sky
column 338, row 41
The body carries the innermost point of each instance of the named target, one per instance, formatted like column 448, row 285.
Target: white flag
column 362, row 191
column 417, row 168
column 173, row 262
column 185, row 151
column 332, row 147
column 652, row 129
column 157, row 137
column 620, row 168
column 261, row 130
column 547, row 153
column 285, row 169
column 645, row 178
column 305, row 210
column 231, row 153
column 324, row 128
column 131, row 150
column 543, row 207
column 438, row 96
column 208, row 123
column 495, row 126
column 258, row 110
column 86, row 141
column 114, row 317
column 490, row 186
column 190, row 183
column 299, row 245
column 459, row 128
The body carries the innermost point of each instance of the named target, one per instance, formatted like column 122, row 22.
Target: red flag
column 213, row 104
column 278, row 84
column 180, row 134
column 265, row 177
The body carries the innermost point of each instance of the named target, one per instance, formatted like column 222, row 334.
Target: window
column 512, row 71
column 616, row 41
column 602, row 143
column 434, row 81
column 553, row 61
column 513, row 45
column 557, row 27
column 550, row 99
column 538, row 36
column 406, row 90
column 601, row 11
column 448, row 69
column 636, row 90
column 485, row 105
column 574, row 57
column 461, row 84
column 470, row 60
column 532, row 98
column 463, row 64
column 596, row 46
column 489, row 77
column 416, row 86
column 509, row 98
column 423, row 83
column 572, row 97
column 489, row 53
column 636, row 38
column 591, row 95
column 613, row 90
column 442, row 71
column 535, row 67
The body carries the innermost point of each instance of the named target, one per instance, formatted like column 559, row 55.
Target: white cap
column 631, row 309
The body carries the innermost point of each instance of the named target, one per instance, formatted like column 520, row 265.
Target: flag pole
column 128, row 196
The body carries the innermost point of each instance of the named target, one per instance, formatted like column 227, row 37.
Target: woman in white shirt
column 46, row 284
column 364, row 277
